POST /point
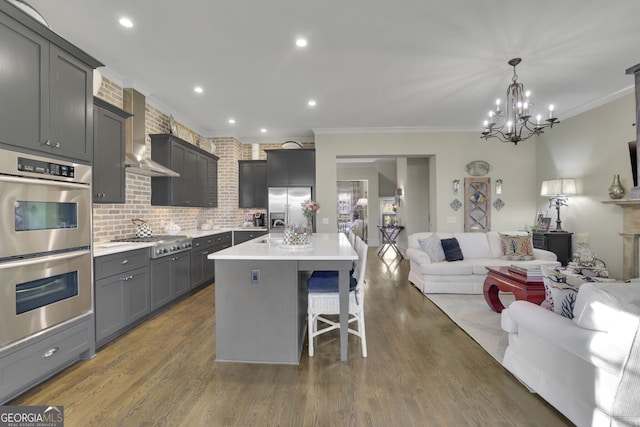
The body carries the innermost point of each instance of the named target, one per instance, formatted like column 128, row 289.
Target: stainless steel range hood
column 137, row 160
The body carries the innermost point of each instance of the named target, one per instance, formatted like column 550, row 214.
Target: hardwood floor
column 422, row 370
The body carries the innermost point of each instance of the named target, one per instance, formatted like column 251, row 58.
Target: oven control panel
column 45, row 168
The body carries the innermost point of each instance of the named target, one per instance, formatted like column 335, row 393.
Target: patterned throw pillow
column 432, row 247
column 451, row 248
column 560, row 291
column 516, row 248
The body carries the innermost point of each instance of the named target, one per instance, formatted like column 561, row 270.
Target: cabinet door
column 138, row 294
column 302, row 165
column 108, row 168
column 178, row 195
column 160, row 282
column 278, row 168
column 180, row 273
column 252, row 184
column 70, row 106
column 189, row 178
column 110, row 306
column 24, row 82
column 207, row 181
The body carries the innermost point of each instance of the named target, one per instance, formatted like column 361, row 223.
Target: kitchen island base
column 263, row 321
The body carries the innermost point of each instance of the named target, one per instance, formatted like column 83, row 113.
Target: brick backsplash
column 113, row 221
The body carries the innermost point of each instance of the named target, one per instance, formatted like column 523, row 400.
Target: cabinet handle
column 56, row 145
column 50, row 352
column 205, row 252
column 47, row 143
column 125, row 261
column 124, row 279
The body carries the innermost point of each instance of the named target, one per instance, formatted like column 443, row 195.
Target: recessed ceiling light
column 232, row 121
column 263, row 130
column 126, row 22
column 198, row 89
column 301, row 42
column 311, row 103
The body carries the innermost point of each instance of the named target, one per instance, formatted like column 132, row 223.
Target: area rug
column 474, row 316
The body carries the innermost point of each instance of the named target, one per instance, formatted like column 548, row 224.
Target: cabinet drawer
column 24, row 365
column 222, row 238
column 109, row 265
column 203, row 243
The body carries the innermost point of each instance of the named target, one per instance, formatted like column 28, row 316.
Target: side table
column 558, row 242
column 389, row 236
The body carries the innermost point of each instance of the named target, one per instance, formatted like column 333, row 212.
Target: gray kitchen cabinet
column 197, row 184
column 32, row 361
column 246, row 235
column 47, row 105
column 252, row 184
column 202, row 268
column 122, row 292
column 170, row 278
column 291, row 168
column 108, row 152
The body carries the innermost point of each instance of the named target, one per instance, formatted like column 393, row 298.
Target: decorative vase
column 309, row 226
column 616, row 191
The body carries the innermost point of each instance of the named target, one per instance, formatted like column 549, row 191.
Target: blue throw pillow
column 451, row 248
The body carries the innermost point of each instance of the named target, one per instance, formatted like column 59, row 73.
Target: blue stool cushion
column 327, row 281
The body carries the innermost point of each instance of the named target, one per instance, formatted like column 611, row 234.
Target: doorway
column 352, row 206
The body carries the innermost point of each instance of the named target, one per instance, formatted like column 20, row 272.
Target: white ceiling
column 369, row 63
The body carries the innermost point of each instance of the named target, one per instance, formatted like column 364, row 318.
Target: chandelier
column 514, row 123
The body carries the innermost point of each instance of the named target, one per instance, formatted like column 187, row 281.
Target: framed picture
column 544, row 223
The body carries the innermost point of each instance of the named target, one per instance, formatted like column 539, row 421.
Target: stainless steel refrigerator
column 285, row 206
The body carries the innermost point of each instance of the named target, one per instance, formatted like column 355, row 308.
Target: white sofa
column 587, row 367
column 480, row 250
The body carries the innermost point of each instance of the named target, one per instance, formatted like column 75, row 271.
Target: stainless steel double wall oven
column 45, row 243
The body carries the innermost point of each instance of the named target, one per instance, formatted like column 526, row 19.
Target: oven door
column 42, row 216
column 41, row 292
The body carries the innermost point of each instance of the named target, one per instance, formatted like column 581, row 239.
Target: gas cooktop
column 162, row 245
column 161, row 238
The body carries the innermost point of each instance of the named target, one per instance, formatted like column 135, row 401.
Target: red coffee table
column 501, row 279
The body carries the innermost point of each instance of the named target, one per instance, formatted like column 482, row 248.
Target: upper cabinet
column 46, row 87
column 252, row 184
column 291, row 168
column 108, row 152
column 197, row 185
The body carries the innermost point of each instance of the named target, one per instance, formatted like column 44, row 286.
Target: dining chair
column 324, row 300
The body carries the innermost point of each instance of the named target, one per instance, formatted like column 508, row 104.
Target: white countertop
column 108, row 248
column 324, row 246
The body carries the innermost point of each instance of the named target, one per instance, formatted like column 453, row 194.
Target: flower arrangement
column 310, row 208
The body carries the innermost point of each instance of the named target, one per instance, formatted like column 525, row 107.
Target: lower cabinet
column 202, row 268
column 32, row 361
column 170, row 278
column 122, row 292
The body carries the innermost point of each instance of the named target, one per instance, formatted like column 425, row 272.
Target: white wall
column 591, row 147
column 451, row 151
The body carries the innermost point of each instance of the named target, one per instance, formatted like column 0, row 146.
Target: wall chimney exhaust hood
column 137, row 160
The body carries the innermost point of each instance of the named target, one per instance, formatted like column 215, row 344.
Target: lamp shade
column 558, row 187
column 362, row 202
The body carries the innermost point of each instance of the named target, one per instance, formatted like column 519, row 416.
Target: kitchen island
column 261, row 296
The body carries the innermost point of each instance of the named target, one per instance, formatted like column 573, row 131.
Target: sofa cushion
column 597, row 303
column 452, row 251
column 560, row 290
column 473, row 245
column 433, row 247
column 516, row 248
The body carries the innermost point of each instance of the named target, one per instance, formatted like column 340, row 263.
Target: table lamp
column 557, row 190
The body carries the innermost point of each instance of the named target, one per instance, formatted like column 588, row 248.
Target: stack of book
column 531, row 271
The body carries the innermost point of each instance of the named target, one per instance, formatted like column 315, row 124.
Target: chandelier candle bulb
column 551, row 111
